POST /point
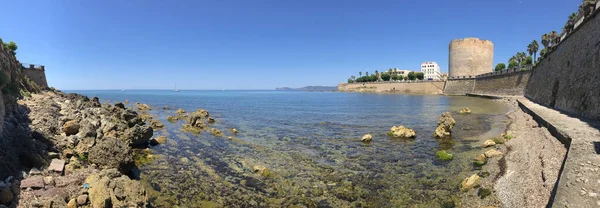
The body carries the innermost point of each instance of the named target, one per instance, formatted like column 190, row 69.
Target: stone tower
column 470, row 57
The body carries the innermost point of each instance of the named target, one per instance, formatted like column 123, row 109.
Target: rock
column 262, row 170
column 401, row 132
column 166, row 108
column 492, row 153
column 184, row 160
column 443, row 155
column 34, row 172
column 82, row 199
column 156, row 124
column 203, row 112
column 120, row 105
column 159, row 140
column 142, row 106
column 109, row 188
column 465, row 111
column 57, row 165
column 49, row 181
column 216, row 132
column 130, row 117
column 71, row 127
column 366, row 138
column 180, row 111
column 230, row 137
column 35, row 182
column 72, row 203
column 172, row 119
column 445, row 125
column 235, row 131
column 190, row 128
column 138, row 136
column 484, row 192
column 499, row 140
column 210, row 120
column 53, row 155
column 488, row 143
column 6, row 196
column 112, row 153
column 470, row 182
column 480, row 160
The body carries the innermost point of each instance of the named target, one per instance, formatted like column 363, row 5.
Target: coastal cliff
column 65, row 150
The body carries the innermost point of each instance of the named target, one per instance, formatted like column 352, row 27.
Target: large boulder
column 71, row 127
column 6, row 196
column 465, row 111
column 402, row 132
column 131, row 118
column 109, row 188
column 445, row 125
column 138, row 136
column 112, row 153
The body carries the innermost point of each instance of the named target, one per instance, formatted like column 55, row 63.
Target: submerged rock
column 216, row 132
column 465, row 111
column 443, row 155
column 445, row 125
column 492, row 153
column 172, row 119
column 480, row 160
column 401, row 132
column 156, row 124
column 262, row 170
column 180, row 111
column 143, row 106
column 489, row 143
column 234, row 131
column 210, row 120
column 470, row 182
column 366, row 138
column 160, row 140
column 192, row 129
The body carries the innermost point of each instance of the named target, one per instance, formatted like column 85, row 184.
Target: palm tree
column 360, row 74
column 353, row 77
column 390, row 73
column 554, row 38
column 377, row 75
column 545, row 40
column 534, row 48
column 367, row 74
column 571, row 22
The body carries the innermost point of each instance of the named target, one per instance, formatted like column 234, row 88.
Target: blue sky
column 225, row 44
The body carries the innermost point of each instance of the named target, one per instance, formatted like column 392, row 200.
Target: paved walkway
column 579, row 183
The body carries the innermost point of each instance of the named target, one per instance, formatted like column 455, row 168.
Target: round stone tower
column 470, row 57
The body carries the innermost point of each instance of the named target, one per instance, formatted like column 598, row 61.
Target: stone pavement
column 579, row 182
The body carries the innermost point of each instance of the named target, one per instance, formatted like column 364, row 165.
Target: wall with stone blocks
column 503, row 84
column 425, row 87
column 568, row 79
column 459, row 86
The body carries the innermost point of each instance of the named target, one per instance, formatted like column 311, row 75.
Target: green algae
column 443, row 155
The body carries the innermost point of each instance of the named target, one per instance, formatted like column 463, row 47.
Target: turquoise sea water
column 310, row 143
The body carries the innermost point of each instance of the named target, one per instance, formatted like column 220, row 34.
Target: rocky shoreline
column 516, row 169
column 72, row 151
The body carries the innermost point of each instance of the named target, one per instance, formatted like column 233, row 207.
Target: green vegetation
column 500, row 140
column 528, row 60
column 385, row 76
column 532, row 48
column 512, row 64
column 508, row 137
column 11, row 47
column 484, row 192
column 500, row 66
column 443, row 155
column 479, row 163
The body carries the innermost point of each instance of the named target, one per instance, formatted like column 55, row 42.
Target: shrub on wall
column 529, row 60
column 513, row 64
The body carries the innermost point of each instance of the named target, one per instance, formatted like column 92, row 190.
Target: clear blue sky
column 225, row 44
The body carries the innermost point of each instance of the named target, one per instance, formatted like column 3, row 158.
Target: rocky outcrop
column 71, row 128
column 445, row 125
column 138, row 136
column 401, row 132
column 216, row 132
column 112, row 153
column 109, row 188
column 488, row 143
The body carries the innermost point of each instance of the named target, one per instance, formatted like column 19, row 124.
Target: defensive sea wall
column 36, row 73
column 420, row 87
column 568, row 79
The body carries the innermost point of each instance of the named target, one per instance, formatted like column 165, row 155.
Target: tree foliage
column 11, row 47
column 420, row 75
column 513, row 64
column 500, row 66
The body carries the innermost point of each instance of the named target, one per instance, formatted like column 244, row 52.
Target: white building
column 399, row 72
column 431, row 71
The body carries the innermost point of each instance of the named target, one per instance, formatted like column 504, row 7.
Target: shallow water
column 310, row 142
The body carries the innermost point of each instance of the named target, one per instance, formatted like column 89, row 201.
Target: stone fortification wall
column 568, row 79
column 507, row 82
column 459, row 86
column 470, row 57
column 36, row 74
column 433, row 87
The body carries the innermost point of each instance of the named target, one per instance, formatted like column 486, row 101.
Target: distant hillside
column 310, row 88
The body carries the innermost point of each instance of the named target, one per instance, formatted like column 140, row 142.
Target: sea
column 309, row 143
